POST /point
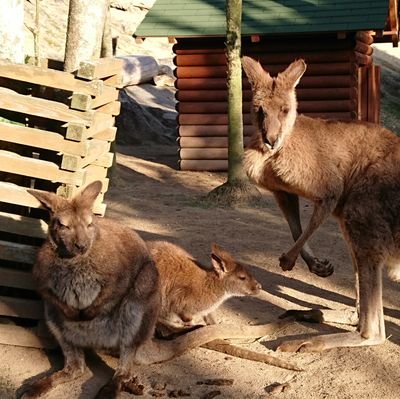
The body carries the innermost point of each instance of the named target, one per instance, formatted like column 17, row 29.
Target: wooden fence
column 56, row 130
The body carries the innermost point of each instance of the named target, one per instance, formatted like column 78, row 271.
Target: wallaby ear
column 255, row 72
column 89, row 194
column 49, row 200
column 220, row 260
column 294, row 72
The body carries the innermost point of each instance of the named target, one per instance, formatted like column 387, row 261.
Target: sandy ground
column 163, row 203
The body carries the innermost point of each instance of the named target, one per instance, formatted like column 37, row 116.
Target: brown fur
column 191, row 291
column 348, row 169
column 100, row 287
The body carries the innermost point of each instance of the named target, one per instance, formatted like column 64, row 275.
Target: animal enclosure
column 56, row 131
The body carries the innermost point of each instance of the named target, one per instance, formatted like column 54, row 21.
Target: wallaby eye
column 61, row 225
column 285, row 110
column 242, row 277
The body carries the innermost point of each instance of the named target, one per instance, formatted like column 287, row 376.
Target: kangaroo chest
column 76, row 285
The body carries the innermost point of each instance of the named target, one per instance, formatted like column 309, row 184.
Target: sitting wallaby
column 349, row 169
column 100, row 288
column 190, row 291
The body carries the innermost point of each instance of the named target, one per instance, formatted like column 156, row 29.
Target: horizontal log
column 363, row 48
column 14, row 163
column 315, row 43
column 18, row 307
column 306, row 81
column 203, row 153
column 302, row 94
column 222, row 119
column 27, row 337
column 16, row 279
column 211, row 131
column 365, row 36
column 15, row 252
column 101, row 68
column 22, row 225
column 269, row 59
column 42, row 139
column 205, row 142
column 304, row 106
column 334, row 68
column 202, row 165
column 49, row 77
column 209, row 119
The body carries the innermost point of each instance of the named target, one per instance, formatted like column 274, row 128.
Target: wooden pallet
column 56, row 131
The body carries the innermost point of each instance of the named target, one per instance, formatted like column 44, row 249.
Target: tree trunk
column 84, row 32
column 237, row 189
column 12, row 36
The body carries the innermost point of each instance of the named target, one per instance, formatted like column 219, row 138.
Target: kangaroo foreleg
column 321, row 210
column 289, row 205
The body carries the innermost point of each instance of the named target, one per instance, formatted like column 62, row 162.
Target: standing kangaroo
column 348, row 169
column 100, row 289
column 190, row 291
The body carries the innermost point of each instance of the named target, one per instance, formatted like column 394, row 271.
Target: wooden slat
column 201, row 165
column 112, row 108
column 106, row 134
column 18, row 307
column 209, row 130
column 20, row 253
column 373, row 94
column 22, row 225
column 41, row 139
column 22, row 336
column 16, row 278
column 13, row 163
column 102, row 68
column 44, row 108
column 80, row 132
column 86, row 102
column 49, row 77
column 98, row 149
column 13, row 194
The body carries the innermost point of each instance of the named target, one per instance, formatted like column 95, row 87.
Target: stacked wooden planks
column 329, row 88
column 56, row 130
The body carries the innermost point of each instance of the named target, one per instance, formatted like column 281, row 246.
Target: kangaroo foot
column 322, row 268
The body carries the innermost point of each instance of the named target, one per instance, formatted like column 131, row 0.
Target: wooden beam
column 16, row 279
column 20, row 253
column 80, row 132
column 49, row 77
column 211, row 131
column 86, row 102
column 22, row 225
column 18, row 307
column 98, row 69
column 14, row 163
column 21, row 336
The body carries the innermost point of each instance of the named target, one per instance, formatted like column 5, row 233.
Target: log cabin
column 333, row 36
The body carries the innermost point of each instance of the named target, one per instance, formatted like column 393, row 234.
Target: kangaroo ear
column 255, row 72
column 89, row 194
column 294, row 72
column 49, row 200
column 220, row 260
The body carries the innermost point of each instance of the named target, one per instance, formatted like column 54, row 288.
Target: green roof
column 195, row 18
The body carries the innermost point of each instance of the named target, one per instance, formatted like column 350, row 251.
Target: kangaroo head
column 72, row 225
column 274, row 105
column 237, row 280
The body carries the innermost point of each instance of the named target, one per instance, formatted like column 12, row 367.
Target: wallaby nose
column 80, row 247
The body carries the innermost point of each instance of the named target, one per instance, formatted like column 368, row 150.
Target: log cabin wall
column 341, row 82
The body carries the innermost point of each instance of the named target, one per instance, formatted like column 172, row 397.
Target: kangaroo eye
column 242, row 277
column 285, row 110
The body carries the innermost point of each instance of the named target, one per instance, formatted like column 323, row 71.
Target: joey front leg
column 289, row 205
column 322, row 209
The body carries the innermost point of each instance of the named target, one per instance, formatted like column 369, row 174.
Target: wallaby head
column 72, row 225
column 236, row 278
column 274, row 105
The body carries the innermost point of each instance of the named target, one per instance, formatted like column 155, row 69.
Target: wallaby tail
column 157, row 351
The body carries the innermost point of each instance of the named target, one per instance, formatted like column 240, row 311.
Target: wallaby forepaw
column 286, row 263
column 322, row 268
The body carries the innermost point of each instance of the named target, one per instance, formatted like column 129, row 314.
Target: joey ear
column 294, row 72
column 49, row 200
column 219, row 260
column 255, row 72
column 89, row 194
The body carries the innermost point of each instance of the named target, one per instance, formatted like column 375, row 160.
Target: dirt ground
column 150, row 195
